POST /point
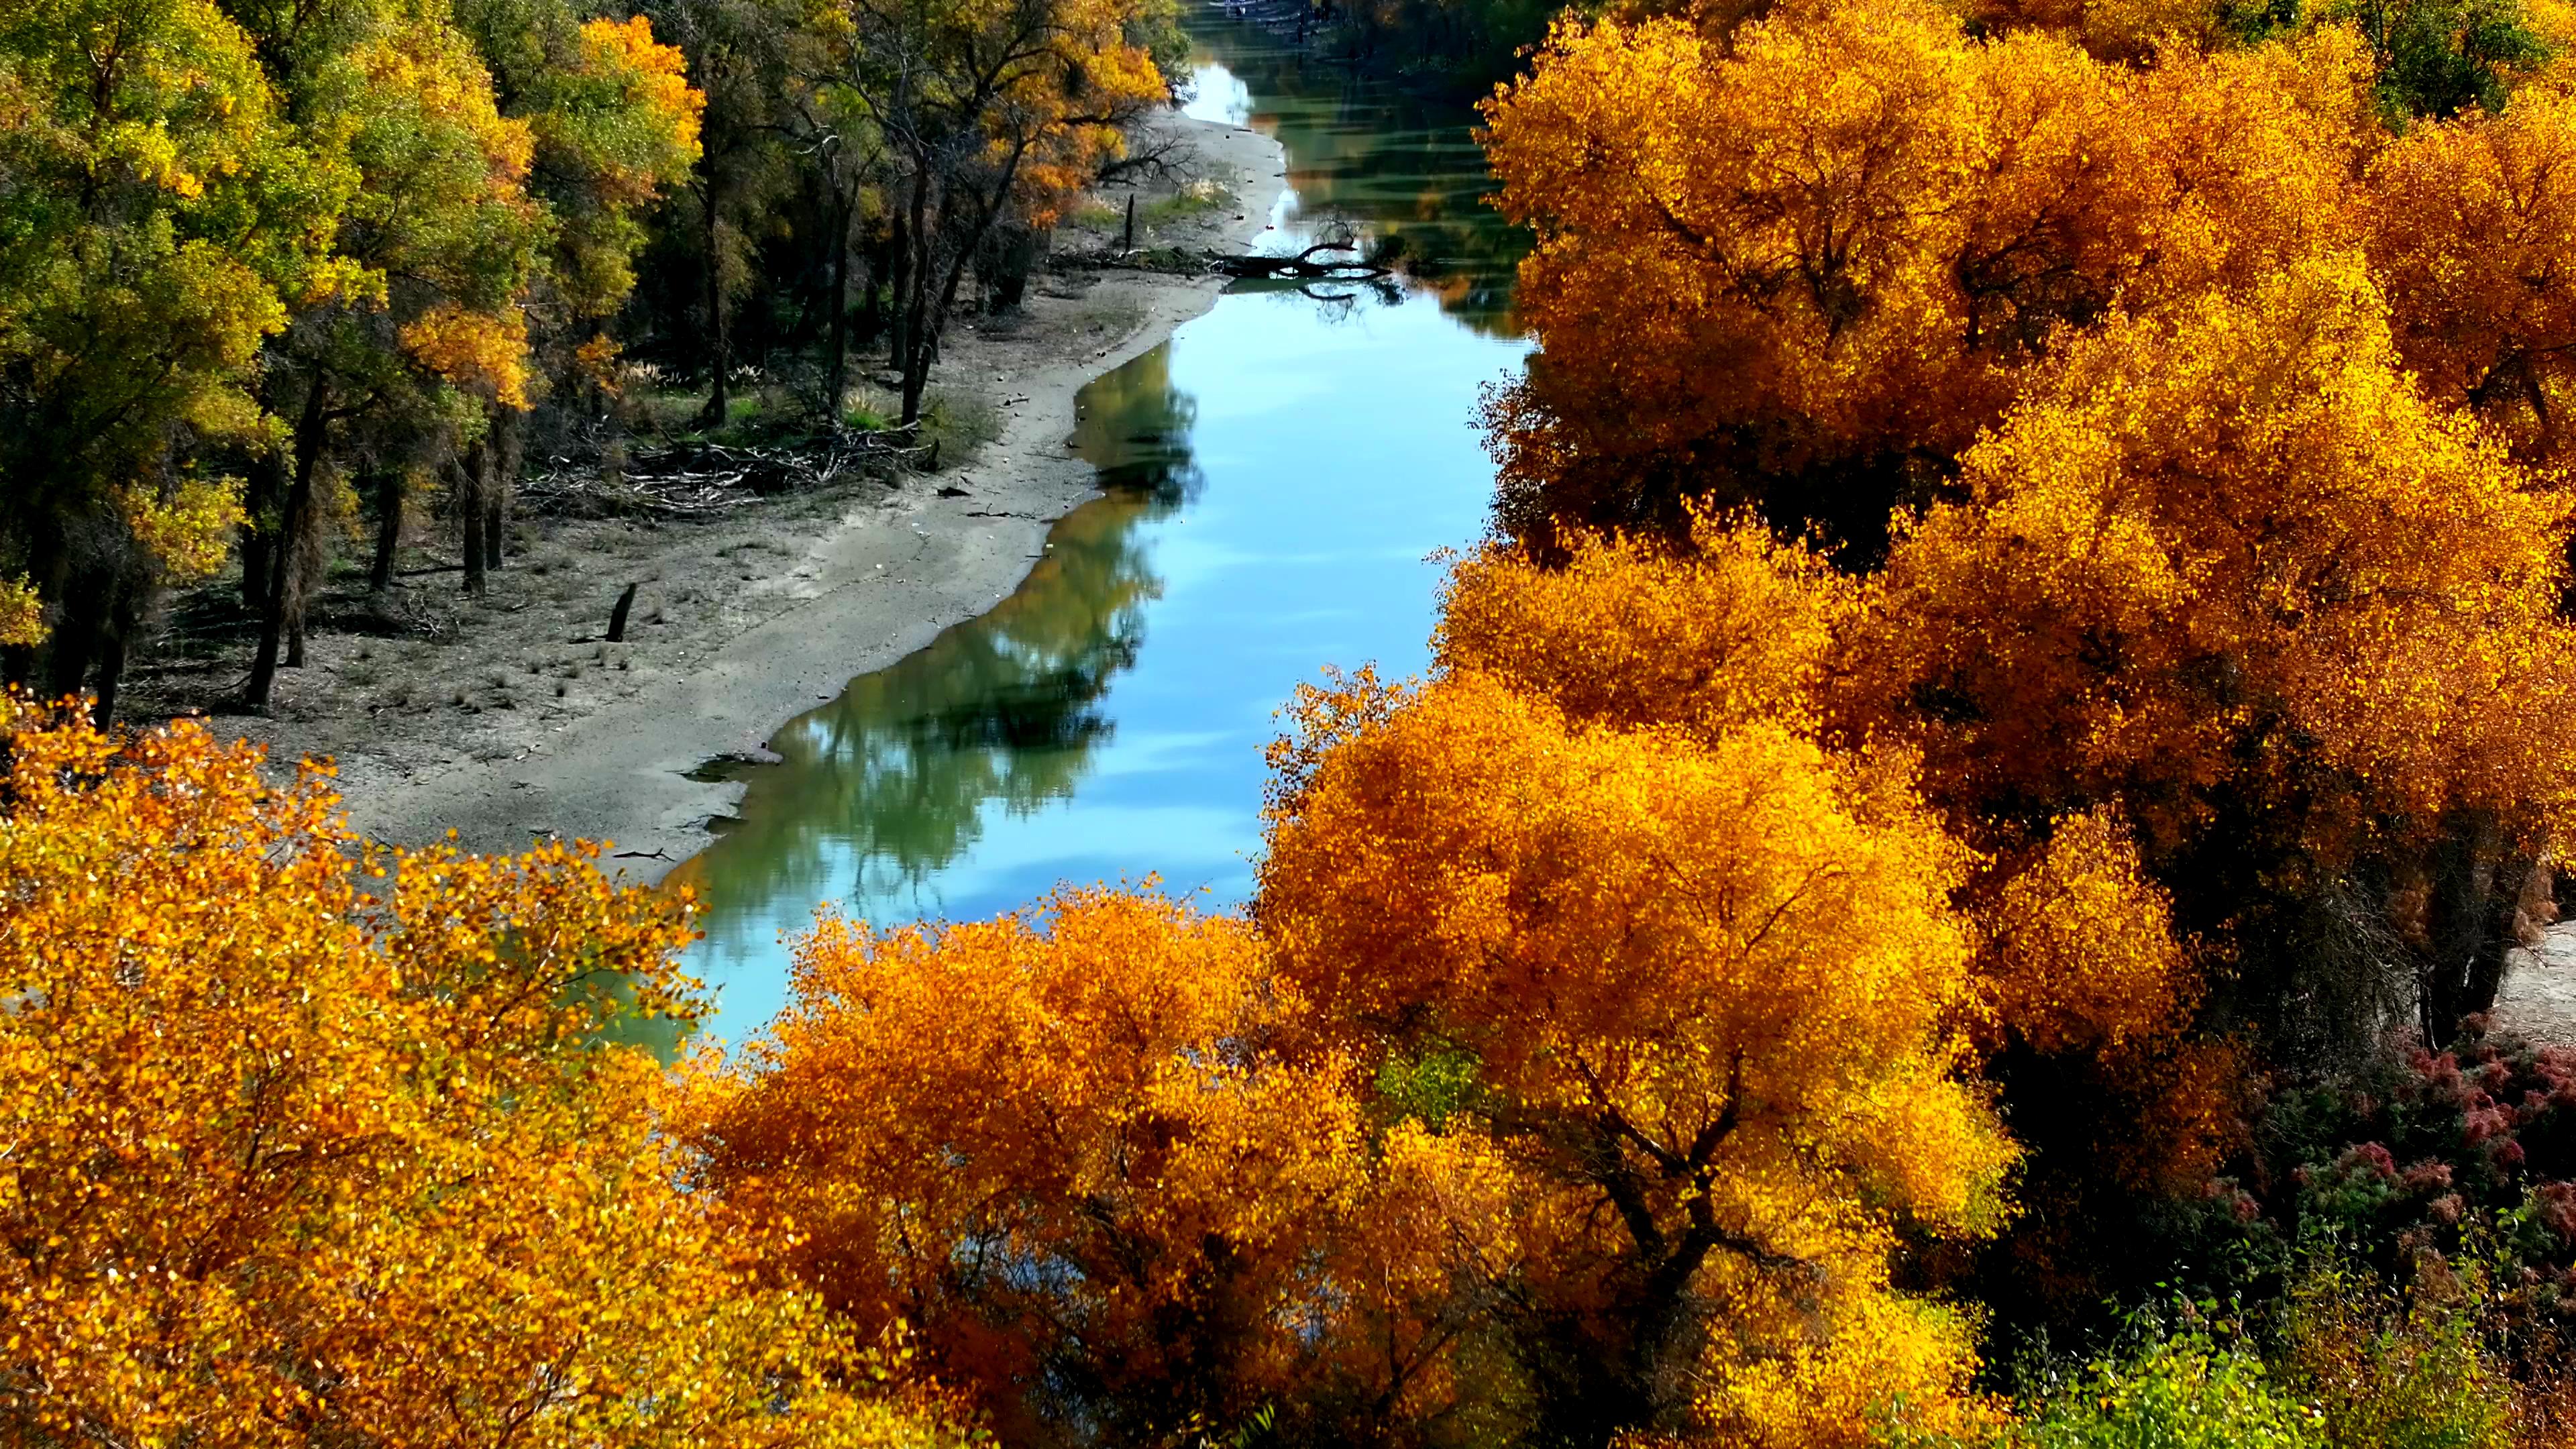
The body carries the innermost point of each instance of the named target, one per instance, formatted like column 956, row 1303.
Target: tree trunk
column 470, row 472
column 899, row 300
column 2468, row 924
column 73, row 644
column 938, row 321
column 101, row 607
column 914, row 339
column 499, row 482
column 267, row 483
column 719, row 399
column 872, row 296
column 916, row 327
column 1017, row 259
column 389, row 523
column 299, row 499
column 916, row 379
column 836, row 376
column 122, row 618
column 932, row 317
column 308, row 566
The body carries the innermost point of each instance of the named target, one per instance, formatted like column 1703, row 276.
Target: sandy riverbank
column 510, row 723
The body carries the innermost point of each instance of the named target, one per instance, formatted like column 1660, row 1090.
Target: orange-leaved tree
column 1735, row 627
column 2227, row 646
column 1684, row 1006
column 1062, row 1146
column 1802, row 266
column 2238, row 626
column 2473, row 222
column 2232, row 576
column 2079, row 996
column 302, row 1144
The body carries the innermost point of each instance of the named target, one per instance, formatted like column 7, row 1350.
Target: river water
column 1276, row 477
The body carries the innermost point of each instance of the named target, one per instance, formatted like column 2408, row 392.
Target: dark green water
column 1275, row 476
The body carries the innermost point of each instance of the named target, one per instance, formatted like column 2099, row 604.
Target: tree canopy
column 308, row 1144
column 2014, row 710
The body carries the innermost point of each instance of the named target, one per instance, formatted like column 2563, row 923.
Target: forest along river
column 1275, row 476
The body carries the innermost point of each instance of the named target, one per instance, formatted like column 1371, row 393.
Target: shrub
column 2451, row 1158
column 2392, row 1371
column 2186, row 1391
column 960, row 423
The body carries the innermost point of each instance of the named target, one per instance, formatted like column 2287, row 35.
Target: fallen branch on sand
column 700, row 480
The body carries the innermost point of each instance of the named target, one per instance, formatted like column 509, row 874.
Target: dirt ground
column 507, row 717
column 2538, row 999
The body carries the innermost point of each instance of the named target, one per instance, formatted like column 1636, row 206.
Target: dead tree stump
column 617, row 616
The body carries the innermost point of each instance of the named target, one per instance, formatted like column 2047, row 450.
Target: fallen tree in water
column 1304, row 266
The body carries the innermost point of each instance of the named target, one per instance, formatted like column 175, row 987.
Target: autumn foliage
column 1061, row 1146
column 1602, row 1122
column 311, row 1144
column 1804, row 266
column 2140, row 434
column 251, row 243
column 1708, row 1099
column 2032, row 609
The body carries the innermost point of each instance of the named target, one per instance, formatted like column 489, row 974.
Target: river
column 1277, row 476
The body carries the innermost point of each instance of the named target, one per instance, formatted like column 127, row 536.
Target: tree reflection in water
column 891, row 781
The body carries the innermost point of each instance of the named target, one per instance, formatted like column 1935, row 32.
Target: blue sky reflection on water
column 1284, row 467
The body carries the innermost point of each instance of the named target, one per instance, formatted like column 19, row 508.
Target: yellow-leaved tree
column 992, row 114
column 157, row 205
column 306, row 1145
